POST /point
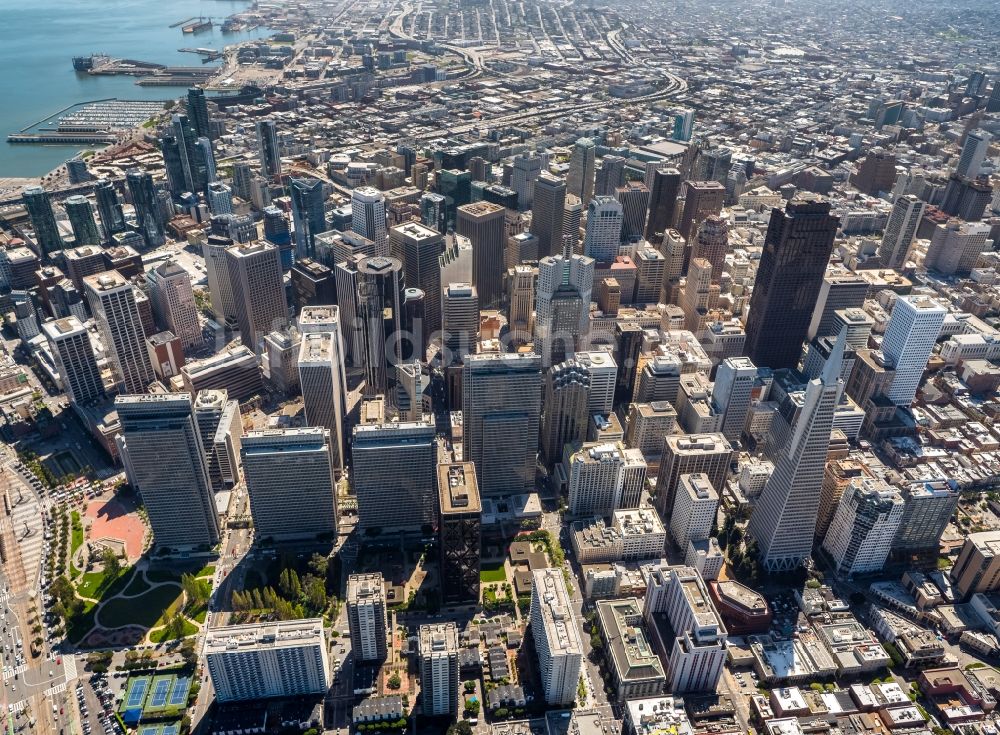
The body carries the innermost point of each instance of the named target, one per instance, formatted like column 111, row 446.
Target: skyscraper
column 485, row 225
column 258, row 287
column 438, row 646
column 81, row 219
column 220, row 428
column 289, row 475
column 662, row 202
column 977, row 143
column 580, row 179
column 418, row 248
column 900, row 230
column 712, row 244
column 322, row 378
column 43, row 220
column 197, row 110
column 651, row 267
column 610, row 175
column 547, row 213
column 928, row 508
column 379, row 313
column 501, row 405
column 604, row 229
column 459, row 532
column 876, row 173
column 168, row 464
column 701, row 199
column 732, row 393
column 956, row 246
column 109, row 209
column 796, row 251
column 220, row 289
column 913, row 329
column 113, row 303
column 243, row 180
column 368, row 217
column 75, row 361
column 267, row 148
column 634, row 198
column 603, row 478
column 524, row 171
column 567, row 396
column 685, row 454
column 220, row 198
column 784, row 518
column 173, row 302
column 864, row 525
column 557, row 640
column 461, row 322
column 308, row 215
column 366, row 616
column 562, row 305
column 393, row 477
column 144, row 199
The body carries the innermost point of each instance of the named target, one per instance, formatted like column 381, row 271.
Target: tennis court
column 178, row 695
column 161, row 688
column 171, row 729
column 149, row 730
column 136, row 692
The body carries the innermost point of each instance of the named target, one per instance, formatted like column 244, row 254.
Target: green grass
column 144, row 610
column 76, row 538
column 90, row 585
column 493, row 574
column 163, row 575
column 206, row 571
column 198, row 614
column 137, row 585
column 158, row 636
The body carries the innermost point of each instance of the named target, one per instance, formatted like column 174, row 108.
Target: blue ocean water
column 40, row 38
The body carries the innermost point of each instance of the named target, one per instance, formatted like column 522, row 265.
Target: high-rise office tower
column 547, row 213
column 928, row 508
column 393, row 476
column 993, row 103
column 628, row 342
column 562, row 305
column 610, row 175
column 144, row 199
column 197, row 110
column 173, row 301
column 697, row 649
column 634, row 198
column 459, row 532
column 220, row 289
column 379, row 314
column 267, row 149
column 646, row 425
column 875, row 174
column 366, row 616
column 262, row 660
column 913, row 329
column 567, row 397
column 461, row 322
column 486, row 227
column 521, row 301
column 956, row 246
column 701, row 199
column 501, row 405
column 796, row 251
column 322, row 379
column 173, row 164
column 864, row 525
column 604, row 478
column 243, row 180
column 113, row 303
column 685, row 454
column 524, row 171
column 368, row 217
column 168, row 464
column 580, row 178
column 604, row 229
column 900, row 230
column 572, row 217
column 256, row 279
column 977, row 568
column 81, row 219
column 712, row 244
column 220, row 428
column 840, row 289
column 695, row 509
column 651, row 267
column 438, row 648
column 308, row 215
column 43, row 220
column 732, row 393
column 557, row 639
column 75, row 361
column 290, row 482
column 419, row 248
column 220, row 198
column 197, row 164
column 977, row 143
column 698, row 296
column 109, row 209
column 784, row 518
column 603, row 377
column 662, row 202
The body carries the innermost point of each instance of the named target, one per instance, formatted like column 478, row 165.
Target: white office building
column 864, row 527
column 909, row 338
column 366, row 616
column 603, row 478
column 439, row 668
column 603, row 232
column 695, row 506
column 556, row 636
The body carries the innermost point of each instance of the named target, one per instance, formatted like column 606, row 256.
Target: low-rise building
column 636, row 670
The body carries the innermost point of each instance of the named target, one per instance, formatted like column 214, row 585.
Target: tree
column 473, row 706
column 111, row 563
column 460, row 728
column 394, row 681
column 175, row 627
column 319, row 565
column 315, row 591
column 470, row 686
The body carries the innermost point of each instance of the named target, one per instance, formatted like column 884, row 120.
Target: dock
column 210, row 54
column 179, row 23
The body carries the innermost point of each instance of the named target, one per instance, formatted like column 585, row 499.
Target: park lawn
column 76, row 535
column 137, row 585
column 99, row 586
column 492, row 573
column 199, row 613
column 158, row 636
column 144, row 610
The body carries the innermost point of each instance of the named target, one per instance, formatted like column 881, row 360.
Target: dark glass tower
column 796, row 252
column 43, row 220
column 197, row 109
column 109, row 207
column 380, row 303
column 308, row 215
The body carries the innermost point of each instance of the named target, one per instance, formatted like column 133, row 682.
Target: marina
column 89, row 123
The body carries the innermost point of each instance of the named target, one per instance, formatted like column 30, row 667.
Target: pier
column 179, row 23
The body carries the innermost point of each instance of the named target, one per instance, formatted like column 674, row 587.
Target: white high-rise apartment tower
column 557, row 640
column 116, row 311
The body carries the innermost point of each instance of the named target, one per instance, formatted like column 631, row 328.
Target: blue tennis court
column 161, row 687
column 136, row 693
column 149, row 729
column 178, row 695
column 172, row 729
